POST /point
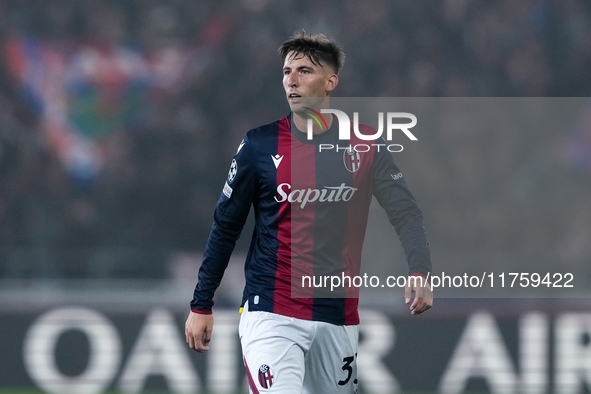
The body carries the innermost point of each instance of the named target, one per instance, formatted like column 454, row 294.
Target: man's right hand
column 198, row 328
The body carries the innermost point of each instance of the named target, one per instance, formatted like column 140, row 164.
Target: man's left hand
column 421, row 288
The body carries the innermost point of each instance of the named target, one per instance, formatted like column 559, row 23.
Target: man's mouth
column 294, row 96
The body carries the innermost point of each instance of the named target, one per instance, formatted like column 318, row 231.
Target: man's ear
column 331, row 82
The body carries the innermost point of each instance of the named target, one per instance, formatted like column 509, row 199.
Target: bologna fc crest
column 265, row 376
column 352, row 159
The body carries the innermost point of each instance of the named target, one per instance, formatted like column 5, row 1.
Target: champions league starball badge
column 233, row 171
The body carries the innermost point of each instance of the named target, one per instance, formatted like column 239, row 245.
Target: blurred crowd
column 216, row 75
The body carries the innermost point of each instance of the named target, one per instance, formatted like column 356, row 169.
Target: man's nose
column 292, row 80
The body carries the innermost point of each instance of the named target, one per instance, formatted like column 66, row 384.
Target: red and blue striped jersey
column 311, row 208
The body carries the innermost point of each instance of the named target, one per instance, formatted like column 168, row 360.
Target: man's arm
column 229, row 217
column 391, row 191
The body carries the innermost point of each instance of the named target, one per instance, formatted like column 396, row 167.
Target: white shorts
column 288, row 355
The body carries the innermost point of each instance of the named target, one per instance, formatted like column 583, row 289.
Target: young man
column 311, row 210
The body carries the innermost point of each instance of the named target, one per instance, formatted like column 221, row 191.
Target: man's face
column 306, row 84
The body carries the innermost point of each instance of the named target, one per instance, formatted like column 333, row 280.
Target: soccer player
column 311, row 209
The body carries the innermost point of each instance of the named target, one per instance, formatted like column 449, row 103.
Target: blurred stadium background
column 118, row 120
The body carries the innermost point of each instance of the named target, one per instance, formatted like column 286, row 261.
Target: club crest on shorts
column 265, row 376
column 352, row 159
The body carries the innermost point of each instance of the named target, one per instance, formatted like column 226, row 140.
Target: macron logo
column 276, row 160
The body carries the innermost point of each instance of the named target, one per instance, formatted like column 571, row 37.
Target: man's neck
column 301, row 123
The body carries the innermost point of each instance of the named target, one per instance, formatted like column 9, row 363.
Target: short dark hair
column 318, row 48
